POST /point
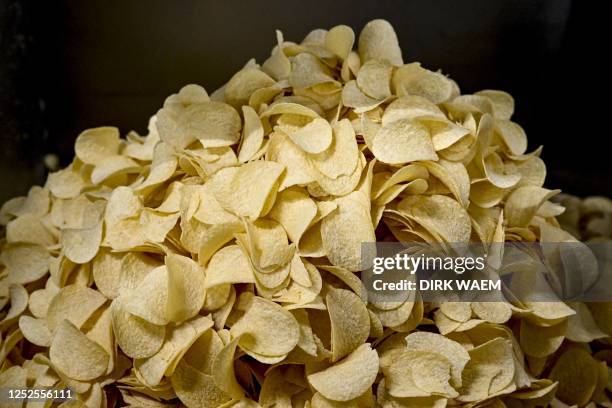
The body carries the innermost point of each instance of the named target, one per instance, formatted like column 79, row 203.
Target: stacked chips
column 215, row 261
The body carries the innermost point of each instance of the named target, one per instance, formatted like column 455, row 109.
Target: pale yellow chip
column 342, row 157
column 311, row 135
column 249, row 190
column 229, row 265
column 178, row 340
column 74, row 303
column 95, row 146
column 196, row 389
column 295, row 211
column 412, row 79
column 35, row 331
column 379, row 41
column 185, row 288
column 340, row 40
column 403, row 141
column 215, row 124
column 348, row 378
column 440, row 215
column 266, row 329
column 344, row 230
column 451, row 350
column 135, row 336
column 75, row 355
column 252, row 134
column 350, row 322
column 25, row 262
column 241, row 86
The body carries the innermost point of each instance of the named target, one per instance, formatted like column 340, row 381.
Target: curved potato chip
column 440, row 215
column 267, row 329
column 573, row 388
column 403, row 141
column 252, row 134
column 136, row 337
column 95, row 146
column 353, row 97
column 196, row 389
column 223, row 370
column 307, row 71
column 294, row 210
column 35, row 331
column 503, row 103
column 25, row 262
column 490, row 369
column 185, row 288
column 106, row 270
column 348, row 378
column 541, row 341
column 342, row 157
column 412, row 79
column 344, row 230
column 229, row 265
column 522, row 204
column 178, row 340
column 249, row 190
column 82, row 245
column 149, row 299
column 350, row 322
column 374, row 79
column 313, row 137
column 215, row 124
column 340, row 40
column 75, row 355
column 379, row 41
column 74, row 303
column 241, row 86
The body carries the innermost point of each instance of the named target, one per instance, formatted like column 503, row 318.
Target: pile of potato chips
column 215, row 261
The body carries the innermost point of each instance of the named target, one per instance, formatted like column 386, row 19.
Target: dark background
column 69, row 65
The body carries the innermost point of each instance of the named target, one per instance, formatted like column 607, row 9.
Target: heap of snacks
column 215, row 261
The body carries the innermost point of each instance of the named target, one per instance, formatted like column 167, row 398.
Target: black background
column 69, row 65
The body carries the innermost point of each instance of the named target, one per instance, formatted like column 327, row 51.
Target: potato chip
column 95, row 146
column 185, row 288
column 575, row 389
column 215, row 124
column 223, row 370
column 374, row 79
column 252, row 134
column 340, row 40
column 412, row 79
column 348, row 378
column 248, row 190
column 178, row 340
column 266, row 329
column 26, row 262
column 136, row 337
column 350, row 322
column 242, row 85
column 403, row 141
column 343, row 231
column 196, row 389
column 229, row 265
column 440, row 215
column 490, row 370
column 452, row 351
column 75, row 355
column 379, row 41
column 74, row 303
